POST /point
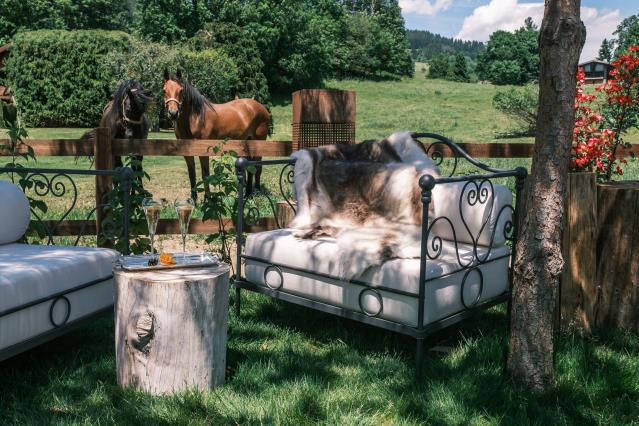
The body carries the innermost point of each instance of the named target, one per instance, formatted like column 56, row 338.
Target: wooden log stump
column 578, row 280
column 171, row 328
column 617, row 303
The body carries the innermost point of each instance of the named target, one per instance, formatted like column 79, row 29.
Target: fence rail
column 103, row 148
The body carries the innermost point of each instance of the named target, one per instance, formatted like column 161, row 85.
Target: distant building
column 5, row 94
column 597, row 72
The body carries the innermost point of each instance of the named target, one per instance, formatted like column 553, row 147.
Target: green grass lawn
column 292, row 366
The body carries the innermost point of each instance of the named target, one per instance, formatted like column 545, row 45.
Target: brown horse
column 125, row 115
column 196, row 117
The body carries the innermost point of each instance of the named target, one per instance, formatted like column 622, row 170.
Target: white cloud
column 509, row 15
column 424, row 7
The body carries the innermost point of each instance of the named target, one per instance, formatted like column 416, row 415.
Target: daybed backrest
column 471, row 207
column 14, row 213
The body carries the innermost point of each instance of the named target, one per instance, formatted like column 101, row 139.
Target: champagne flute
column 152, row 210
column 184, row 210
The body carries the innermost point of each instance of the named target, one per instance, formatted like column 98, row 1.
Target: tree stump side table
column 171, row 328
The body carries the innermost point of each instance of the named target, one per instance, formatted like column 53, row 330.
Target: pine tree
column 460, row 68
column 605, row 51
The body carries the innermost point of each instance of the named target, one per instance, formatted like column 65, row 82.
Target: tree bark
column 538, row 264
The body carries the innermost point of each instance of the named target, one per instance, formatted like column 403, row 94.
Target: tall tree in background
column 538, row 261
column 627, row 34
column 511, row 58
column 460, row 69
column 605, row 51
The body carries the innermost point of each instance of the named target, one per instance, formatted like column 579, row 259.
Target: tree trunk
column 538, row 264
column 171, row 328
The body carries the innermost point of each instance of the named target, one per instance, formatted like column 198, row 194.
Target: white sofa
column 45, row 290
column 278, row 261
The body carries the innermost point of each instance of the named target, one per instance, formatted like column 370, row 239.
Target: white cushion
column 32, row 272
column 490, row 211
column 443, row 290
column 14, row 212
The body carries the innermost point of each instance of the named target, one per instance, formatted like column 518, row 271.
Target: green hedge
column 64, row 78
column 59, row 77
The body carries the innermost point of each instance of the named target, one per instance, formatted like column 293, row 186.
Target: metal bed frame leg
column 419, row 357
column 237, row 302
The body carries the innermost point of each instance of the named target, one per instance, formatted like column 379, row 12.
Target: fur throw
column 365, row 197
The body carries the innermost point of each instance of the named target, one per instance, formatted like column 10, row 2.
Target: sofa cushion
column 31, row 272
column 449, row 286
column 14, row 213
column 490, row 211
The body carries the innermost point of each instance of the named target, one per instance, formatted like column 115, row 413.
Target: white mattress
column 443, row 287
column 31, row 272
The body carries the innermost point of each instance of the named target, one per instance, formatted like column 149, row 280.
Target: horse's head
column 173, row 89
column 136, row 99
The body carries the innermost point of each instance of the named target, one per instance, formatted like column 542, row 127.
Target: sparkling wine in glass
column 184, row 210
column 152, row 210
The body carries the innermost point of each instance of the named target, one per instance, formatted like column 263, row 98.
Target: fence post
column 103, row 159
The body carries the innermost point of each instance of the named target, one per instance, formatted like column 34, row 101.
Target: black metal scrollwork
column 463, row 287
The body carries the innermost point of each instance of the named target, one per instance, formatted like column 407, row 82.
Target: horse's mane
column 196, row 100
column 120, row 93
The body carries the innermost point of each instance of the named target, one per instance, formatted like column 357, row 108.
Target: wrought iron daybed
column 47, row 290
column 465, row 260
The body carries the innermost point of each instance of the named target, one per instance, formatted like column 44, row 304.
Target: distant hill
column 425, row 45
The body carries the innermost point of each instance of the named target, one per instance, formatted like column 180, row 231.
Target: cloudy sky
column 477, row 19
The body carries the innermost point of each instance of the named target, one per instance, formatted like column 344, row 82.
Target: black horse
column 125, row 115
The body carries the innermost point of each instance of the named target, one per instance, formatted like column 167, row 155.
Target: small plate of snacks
column 147, row 262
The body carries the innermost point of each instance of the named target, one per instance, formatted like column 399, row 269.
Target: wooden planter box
column 578, row 284
column 617, row 299
column 600, row 282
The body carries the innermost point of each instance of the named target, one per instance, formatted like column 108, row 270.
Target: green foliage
column 112, row 226
column 511, row 58
column 605, row 51
column 460, row 69
column 426, row 45
column 237, row 43
column 169, row 21
column 296, row 39
column 627, row 34
column 20, row 15
column 220, row 199
column 520, row 104
column 440, row 67
column 59, row 77
column 368, row 49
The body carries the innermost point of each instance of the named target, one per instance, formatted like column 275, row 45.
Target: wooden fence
column 103, row 148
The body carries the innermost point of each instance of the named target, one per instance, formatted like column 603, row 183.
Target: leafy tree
column 605, row 51
column 627, row 34
column 519, row 104
column 511, row 58
column 237, row 43
column 460, row 68
column 440, row 67
column 70, row 15
column 168, row 21
column 368, row 50
column 296, row 38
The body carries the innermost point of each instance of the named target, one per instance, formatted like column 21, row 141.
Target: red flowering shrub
column 597, row 136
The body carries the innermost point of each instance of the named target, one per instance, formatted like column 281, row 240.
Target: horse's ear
column 178, row 74
column 166, row 74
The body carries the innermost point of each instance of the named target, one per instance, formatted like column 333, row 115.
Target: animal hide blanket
column 365, row 197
